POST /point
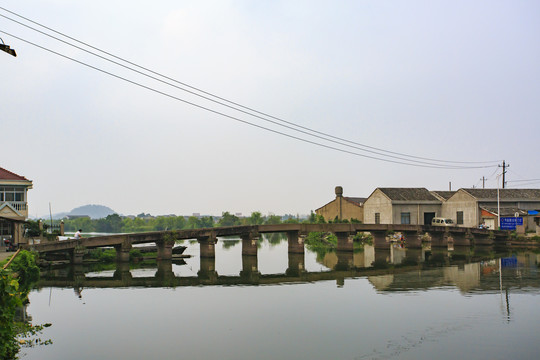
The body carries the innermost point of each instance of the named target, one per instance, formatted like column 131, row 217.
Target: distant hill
column 94, row 211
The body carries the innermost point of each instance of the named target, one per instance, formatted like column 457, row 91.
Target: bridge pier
column 379, row 240
column 345, row 260
column 413, row 239
column 296, row 264
column 164, row 249
column 123, row 273
column 461, row 238
column 500, row 237
column 207, row 246
column 249, row 244
column 483, row 240
column 413, row 256
column 250, row 270
column 77, row 254
column 122, row 250
column 439, row 239
column 165, row 272
column 296, row 242
column 344, row 241
column 382, row 257
column 207, row 271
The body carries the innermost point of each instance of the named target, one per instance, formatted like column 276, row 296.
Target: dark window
column 406, row 218
column 459, row 216
column 377, row 218
column 5, row 228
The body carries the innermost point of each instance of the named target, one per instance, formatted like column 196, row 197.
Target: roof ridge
column 12, row 173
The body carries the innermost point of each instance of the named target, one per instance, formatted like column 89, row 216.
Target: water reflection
column 388, row 270
column 372, row 304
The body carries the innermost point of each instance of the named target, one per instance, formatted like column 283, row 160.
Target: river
column 423, row 304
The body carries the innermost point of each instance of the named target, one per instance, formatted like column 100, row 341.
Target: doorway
column 428, row 216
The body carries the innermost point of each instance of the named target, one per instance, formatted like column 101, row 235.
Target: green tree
column 111, row 224
column 193, row 222
column 256, row 218
column 273, row 220
column 228, row 219
column 207, row 222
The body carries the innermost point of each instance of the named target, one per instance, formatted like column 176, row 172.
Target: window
column 459, row 216
column 377, row 218
column 5, row 228
column 405, row 217
column 12, row 193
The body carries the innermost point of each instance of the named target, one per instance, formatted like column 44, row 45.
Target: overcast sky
column 446, row 80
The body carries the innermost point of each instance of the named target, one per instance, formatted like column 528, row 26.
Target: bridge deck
column 253, row 231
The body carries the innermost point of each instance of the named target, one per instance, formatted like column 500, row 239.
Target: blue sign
column 510, row 262
column 510, row 223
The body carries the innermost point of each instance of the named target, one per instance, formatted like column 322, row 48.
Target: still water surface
column 414, row 305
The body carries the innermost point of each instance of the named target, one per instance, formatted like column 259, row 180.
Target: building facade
column 342, row 208
column 13, row 205
column 472, row 207
column 415, row 206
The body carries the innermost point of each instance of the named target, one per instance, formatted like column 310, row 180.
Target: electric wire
column 233, row 117
column 218, row 102
column 326, row 136
column 524, row 180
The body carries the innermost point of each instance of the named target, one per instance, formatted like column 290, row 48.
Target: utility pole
column 504, row 166
column 483, row 182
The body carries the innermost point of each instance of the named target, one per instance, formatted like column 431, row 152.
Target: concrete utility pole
column 504, row 166
column 483, row 182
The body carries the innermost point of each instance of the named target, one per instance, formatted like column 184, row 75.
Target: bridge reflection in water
column 392, row 269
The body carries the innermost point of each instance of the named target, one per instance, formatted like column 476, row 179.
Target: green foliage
column 32, row 228
column 13, row 294
column 103, row 255
column 227, row 244
column 256, row 218
column 111, row 224
column 228, row 219
column 322, row 240
column 273, row 220
column 135, row 254
column 26, row 267
column 291, row 220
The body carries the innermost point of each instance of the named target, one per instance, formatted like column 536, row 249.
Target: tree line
column 116, row 224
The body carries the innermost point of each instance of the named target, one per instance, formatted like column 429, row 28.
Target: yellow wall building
column 343, row 208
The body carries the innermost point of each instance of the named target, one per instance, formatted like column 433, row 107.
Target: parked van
column 442, row 222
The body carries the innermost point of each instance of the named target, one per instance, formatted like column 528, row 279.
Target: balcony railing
column 18, row 205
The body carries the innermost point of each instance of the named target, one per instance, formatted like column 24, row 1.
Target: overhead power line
column 525, row 180
column 409, row 160
column 229, row 106
column 233, row 117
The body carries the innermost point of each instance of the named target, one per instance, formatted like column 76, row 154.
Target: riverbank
column 5, row 255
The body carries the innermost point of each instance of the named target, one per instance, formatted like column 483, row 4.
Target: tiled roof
column 8, row 175
column 444, row 194
column 506, row 211
column 505, row 194
column 357, row 200
column 409, row 194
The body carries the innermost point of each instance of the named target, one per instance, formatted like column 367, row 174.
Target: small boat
column 177, row 250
